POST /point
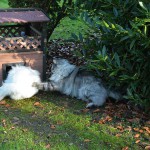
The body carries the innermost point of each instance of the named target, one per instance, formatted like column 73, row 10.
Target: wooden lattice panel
column 20, row 43
column 11, row 31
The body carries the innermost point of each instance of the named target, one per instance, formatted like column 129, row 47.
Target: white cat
column 18, row 84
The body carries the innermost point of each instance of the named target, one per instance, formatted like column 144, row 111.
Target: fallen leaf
column 24, row 130
column 85, row 110
column 87, row 140
column 47, row 146
column 4, row 122
column 148, row 122
column 101, row 122
column 118, row 135
column 136, row 129
column 125, row 148
column 129, row 128
column 49, row 112
column 96, row 110
column 120, row 127
column 59, row 122
column 147, row 147
column 52, row 126
column 137, row 120
column 137, row 136
column 7, row 105
column 137, row 141
column 38, row 104
column 108, row 118
column 88, row 125
column 146, row 134
column 12, row 128
column 147, row 129
column 145, row 144
column 141, row 131
column 2, row 102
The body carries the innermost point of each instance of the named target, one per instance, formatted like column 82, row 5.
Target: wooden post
column 27, row 29
column 43, row 47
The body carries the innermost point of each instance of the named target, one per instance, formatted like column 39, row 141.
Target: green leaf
column 117, row 59
column 113, row 73
column 84, row 52
column 145, row 29
column 124, row 38
column 80, row 37
column 104, row 51
column 89, row 20
column 115, row 12
column 78, row 53
column 113, row 26
column 99, row 52
column 109, row 1
column 86, row 16
column 82, row 15
column 143, row 6
column 105, row 24
column 74, row 36
column 129, row 92
column 124, row 77
column 132, row 44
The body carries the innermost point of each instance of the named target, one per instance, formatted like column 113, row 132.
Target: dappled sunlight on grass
column 58, row 121
column 68, row 26
column 15, row 137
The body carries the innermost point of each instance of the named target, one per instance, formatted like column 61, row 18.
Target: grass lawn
column 54, row 121
column 68, row 26
column 4, row 4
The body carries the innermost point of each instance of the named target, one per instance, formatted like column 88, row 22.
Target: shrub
column 119, row 49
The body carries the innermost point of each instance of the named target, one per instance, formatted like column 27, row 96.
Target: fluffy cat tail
column 115, row 95
column 3, row 93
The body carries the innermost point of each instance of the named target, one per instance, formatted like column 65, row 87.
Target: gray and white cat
column 70, row 80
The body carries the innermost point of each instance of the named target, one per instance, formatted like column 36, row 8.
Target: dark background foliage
column 119, row 47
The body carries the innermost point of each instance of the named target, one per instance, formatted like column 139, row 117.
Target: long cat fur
column 19, row 83
column 68, row 79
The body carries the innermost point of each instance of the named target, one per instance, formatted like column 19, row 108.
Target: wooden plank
column 17, row 9
column 36, row 31
column 12, row 25
column 22, row 56
column 0, row 80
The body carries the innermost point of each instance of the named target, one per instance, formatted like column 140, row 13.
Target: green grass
column 59, row 122
column 4, row 4
column 68, row 26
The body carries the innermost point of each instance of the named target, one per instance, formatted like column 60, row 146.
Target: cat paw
column 89, row 105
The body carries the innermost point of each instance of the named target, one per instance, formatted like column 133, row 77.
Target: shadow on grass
column 56, row 121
